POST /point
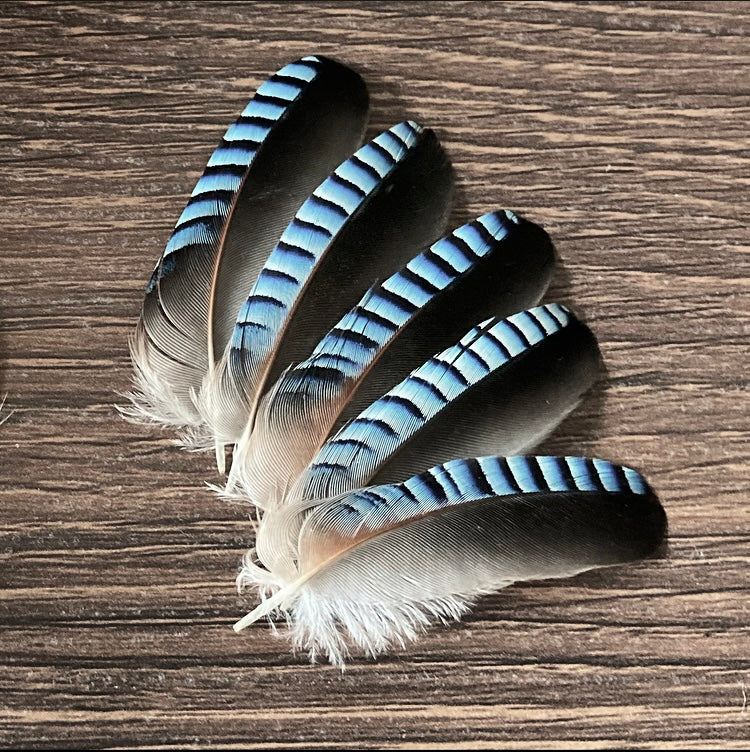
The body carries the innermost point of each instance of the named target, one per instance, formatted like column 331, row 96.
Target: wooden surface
column 622, row 128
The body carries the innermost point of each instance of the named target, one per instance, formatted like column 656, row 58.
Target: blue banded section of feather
column 457, row 481
column 502, row 476
column 352, row 344
column 351, row 456
column 215, row 190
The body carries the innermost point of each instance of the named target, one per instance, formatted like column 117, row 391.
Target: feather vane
column 255, row 180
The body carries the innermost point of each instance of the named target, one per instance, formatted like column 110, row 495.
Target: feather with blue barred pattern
column 301, row 123
column 388, row 200
column 375, row 567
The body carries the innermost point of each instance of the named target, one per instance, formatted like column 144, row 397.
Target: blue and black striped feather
column 501, row 389
column 300, row 124
column 363, row 222
column 550, row 497
column 498, row 264
column 380, row 562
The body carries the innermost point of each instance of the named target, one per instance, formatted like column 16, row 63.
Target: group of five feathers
column 377, row 402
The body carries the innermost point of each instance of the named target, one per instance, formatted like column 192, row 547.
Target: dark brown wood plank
column 622, row 128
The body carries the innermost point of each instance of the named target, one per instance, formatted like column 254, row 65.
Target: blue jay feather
column 379, row 384
column 377, row 565
column 302, row 122
column 481, row 392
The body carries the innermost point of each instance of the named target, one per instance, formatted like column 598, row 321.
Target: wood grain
column 622, row 128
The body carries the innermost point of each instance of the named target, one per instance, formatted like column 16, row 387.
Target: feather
column 301, row 123
column 334, row 423
column 374, row 567
column 501, row 389
column 499, row 263
column 361, row 223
